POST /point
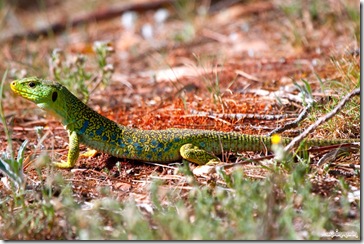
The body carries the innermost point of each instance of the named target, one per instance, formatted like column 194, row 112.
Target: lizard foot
column 62, row 164
column 198, row 156
column 89, row 153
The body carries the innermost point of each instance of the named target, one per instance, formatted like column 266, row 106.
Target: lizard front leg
column 197, row 155
column 73, row 152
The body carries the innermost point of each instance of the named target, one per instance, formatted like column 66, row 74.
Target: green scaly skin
column 86, row 126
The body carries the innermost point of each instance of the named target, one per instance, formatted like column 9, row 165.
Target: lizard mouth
column 24, row 93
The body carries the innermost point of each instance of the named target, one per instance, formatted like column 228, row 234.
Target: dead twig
column 248, row 76
column 333, row 154
column 298, row 139
column 294, row 123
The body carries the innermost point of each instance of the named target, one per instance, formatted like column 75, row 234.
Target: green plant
column 10, row 166
column 185, row 10
column 211, row 78
column 13, row 168
column 71, row 71
column 103, row 50
column 347, row 78
column 307, row 18
column 354, row 17
column 192, row 13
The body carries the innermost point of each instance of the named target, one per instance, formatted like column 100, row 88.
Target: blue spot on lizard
column 100, row 130
column 84, row 127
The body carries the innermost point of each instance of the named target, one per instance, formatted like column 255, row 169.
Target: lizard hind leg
column 197, row 155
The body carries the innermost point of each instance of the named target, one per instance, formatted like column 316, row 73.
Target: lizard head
column 46, row 94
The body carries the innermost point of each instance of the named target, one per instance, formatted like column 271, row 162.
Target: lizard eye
column 31, row 84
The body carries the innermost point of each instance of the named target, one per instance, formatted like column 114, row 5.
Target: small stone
column 204, row 170
column 121, row 186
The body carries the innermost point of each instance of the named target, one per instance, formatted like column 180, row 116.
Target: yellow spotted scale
column 86, row 126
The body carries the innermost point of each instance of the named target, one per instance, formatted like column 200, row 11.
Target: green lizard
column 86, row 126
